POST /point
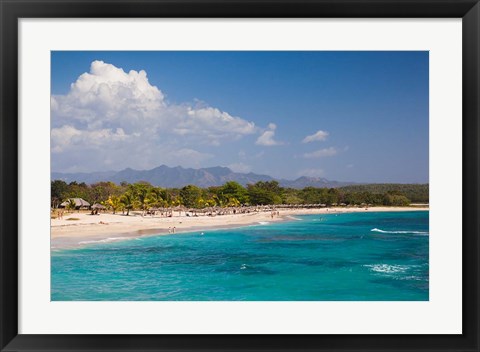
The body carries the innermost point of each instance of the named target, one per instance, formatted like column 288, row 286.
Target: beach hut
column 153, row 211
column 79, row 203
column 96, row 207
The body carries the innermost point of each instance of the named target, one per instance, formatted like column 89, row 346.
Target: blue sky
column 346, row 116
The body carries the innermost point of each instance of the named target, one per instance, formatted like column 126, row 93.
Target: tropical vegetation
column 143, row 196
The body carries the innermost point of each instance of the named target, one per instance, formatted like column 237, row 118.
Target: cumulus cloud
column 108, row 95
column 317, row 136
column 111, row 109
column 70, row 136
column 267, row 138
column 322, row 153
column 212, row 124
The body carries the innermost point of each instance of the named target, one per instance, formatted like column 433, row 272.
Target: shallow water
column 339, row 257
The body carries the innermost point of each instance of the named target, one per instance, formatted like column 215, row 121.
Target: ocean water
column 370, row 256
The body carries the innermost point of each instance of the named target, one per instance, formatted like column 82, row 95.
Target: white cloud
column 211, row 123
column 63, row 136
column 186, row 157
column 109, row 96
column 267, row 137
column 321, row 153
column 312, row 173
column 240, row 167
column 317, row 136
column 111, row 109
column 68, row 136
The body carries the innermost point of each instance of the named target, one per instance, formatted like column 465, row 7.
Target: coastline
column 107, row 227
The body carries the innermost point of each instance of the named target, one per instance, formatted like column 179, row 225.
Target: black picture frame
column 11, row 11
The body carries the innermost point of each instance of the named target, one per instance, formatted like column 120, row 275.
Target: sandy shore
column 108, row 227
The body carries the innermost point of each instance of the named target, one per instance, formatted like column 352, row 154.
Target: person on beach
column 174, row 228
column 169, row 229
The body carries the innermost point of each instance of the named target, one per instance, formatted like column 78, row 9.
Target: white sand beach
column 108, row 227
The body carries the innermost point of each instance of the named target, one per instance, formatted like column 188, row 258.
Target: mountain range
column 177, row 177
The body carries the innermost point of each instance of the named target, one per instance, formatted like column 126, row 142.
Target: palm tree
column 71, row 205
column 210, row 202
column 218, row 200
column 233, row 202
column 149, row 200
column 114, row 202
column 128, row 202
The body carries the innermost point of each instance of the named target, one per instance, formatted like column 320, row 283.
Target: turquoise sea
column 370, row 256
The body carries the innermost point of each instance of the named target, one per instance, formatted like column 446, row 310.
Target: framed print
column 239, row 175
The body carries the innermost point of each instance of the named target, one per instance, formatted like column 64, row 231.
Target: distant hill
column 177, row 177
column 318, row 182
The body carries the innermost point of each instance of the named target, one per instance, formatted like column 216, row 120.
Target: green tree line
column 416, row 193
column 143, row 196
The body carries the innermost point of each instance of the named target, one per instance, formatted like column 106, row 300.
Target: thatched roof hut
column 79, row 203
column 99, row 206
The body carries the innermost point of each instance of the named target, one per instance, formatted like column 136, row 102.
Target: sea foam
column 400, row 232
column 388, row 269
column 294, row 218
column 106, row 240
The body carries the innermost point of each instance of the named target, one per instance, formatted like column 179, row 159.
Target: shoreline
column 107, row 227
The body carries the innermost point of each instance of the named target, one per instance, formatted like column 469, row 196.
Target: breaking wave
column 388, row 269
column 401, row 232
